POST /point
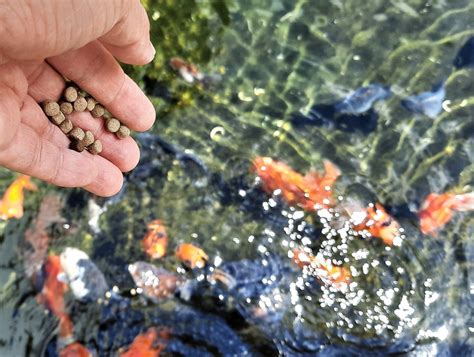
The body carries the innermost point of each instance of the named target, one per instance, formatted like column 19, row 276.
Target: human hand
column 41, row 42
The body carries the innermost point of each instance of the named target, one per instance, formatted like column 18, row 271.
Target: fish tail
column 464, row 202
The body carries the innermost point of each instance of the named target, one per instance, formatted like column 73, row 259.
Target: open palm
column 43, row 42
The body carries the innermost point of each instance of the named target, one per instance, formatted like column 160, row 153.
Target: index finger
column 129, row 39
column 96, row 71
column 59, row 26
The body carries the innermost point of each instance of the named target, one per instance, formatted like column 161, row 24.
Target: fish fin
column 332, row 171
column 464, row 202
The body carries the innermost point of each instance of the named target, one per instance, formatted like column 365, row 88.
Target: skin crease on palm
column 41, row 43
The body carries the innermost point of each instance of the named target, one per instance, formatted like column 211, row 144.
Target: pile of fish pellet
column 77, row 100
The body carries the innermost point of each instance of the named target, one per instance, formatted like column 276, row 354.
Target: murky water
column 276, row 60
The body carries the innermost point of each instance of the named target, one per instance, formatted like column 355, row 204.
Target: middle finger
column 47, row 84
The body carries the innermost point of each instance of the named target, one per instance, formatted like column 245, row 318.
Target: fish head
column 176, row 63
column 191, row 256
column 70, row 259
column 384, row 226
column 262, row 165
column 155, row 241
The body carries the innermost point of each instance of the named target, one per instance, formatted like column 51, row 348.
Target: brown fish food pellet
column 75, row 99
column 66, row 126
column 80, row 104
column 98, row 111
column 77, row 145
column 58, row 119
column 95, row 148
column 70, row 94
column 82, row 93
column 88, row 138
column 77, row 134
column 66, row 108
column 112, row 125
column 51, row 108
column 123, row 132
column 91, row 104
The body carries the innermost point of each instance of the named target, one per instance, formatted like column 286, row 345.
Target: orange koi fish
column 144, row 345
column 437, row 209
column 336, row 275
column 188, row 71
column 310, row 191
column 156, row 240
column 52, row 295
column 74, row 350
column 379, row 224
column 191, row 255
column 11, row 205
column 319, row 187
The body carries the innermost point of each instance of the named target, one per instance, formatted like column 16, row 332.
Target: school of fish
column 73, row 274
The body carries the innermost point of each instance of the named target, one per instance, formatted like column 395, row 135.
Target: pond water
column 281, row 82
